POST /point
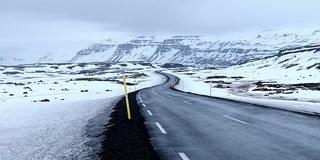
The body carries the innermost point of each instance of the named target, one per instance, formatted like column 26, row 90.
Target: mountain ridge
column 193, row 50
column 198, row 50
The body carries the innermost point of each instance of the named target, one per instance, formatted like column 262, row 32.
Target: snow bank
column 193, row 85
column 47, row 131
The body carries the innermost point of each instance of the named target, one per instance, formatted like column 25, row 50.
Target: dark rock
column 172, row 65
column 45, row 100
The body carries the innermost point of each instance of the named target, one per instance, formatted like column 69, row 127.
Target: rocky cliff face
column 192, row 50
column 198, row 50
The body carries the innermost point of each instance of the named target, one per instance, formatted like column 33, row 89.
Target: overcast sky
column 64, row 26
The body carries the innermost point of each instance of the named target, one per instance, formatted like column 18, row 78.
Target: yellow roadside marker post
column 126, row 95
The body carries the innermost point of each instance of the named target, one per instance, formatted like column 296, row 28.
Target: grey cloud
column 200, row 16
column 36, row 23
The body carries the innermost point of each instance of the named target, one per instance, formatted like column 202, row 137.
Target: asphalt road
column 186, row 126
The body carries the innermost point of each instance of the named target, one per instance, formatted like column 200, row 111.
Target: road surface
column 186, row 126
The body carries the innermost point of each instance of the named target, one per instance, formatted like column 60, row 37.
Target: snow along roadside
column 67, row 129
column 188, row 85
column 48, row 131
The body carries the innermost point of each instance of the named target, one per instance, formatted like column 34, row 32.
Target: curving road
column 186, row 126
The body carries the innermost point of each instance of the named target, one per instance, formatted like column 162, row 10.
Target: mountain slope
column 292, row 75
column 198, row 50
column 290, row 66
column 14, row 61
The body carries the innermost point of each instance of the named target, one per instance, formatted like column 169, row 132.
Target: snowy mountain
column 14, row 61
column 47, row 58
column 198, row 50
column 195, row 50
column 52, row 58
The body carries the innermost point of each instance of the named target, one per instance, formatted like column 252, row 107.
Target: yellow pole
column 126, row 95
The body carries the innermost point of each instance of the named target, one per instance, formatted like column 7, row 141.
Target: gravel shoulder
column 127, row 139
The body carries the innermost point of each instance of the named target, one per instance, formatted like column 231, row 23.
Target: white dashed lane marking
column 187, row 102
column 183, row 156
column 161, row 128
column 234, row 119
column 150, row 113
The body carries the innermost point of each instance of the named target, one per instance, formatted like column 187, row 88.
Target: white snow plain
column 65, row 127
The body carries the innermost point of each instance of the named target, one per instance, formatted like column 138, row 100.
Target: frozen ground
column 289, row 81
column 55, row 130
column 45, row 110
column 34, row 83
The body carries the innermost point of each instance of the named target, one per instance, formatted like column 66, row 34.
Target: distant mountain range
column 191, row 50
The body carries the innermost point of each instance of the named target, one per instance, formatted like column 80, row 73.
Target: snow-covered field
column 69, row 82
column 289, row 82
column 45, row 110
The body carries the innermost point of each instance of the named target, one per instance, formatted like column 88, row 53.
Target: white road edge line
column 183, row 156
column 187, row 102
column 234, row 119
column 140, row 97
column 144, row 105
column 161, row 128
column 150, row 113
